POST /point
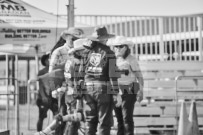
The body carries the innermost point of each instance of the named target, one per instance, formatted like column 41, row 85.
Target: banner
column 21, row 23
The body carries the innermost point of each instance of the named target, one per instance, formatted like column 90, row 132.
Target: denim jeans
column 101, row 105
column 124, row 115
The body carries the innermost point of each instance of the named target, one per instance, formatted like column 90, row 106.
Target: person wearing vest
column 100, row 78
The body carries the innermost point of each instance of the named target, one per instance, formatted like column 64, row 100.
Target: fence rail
column 155, row 38
column 9, row 107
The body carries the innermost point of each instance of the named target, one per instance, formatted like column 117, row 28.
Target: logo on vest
column 95, row 59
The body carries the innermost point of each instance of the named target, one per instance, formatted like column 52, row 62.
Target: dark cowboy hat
column 44, row 58
column 99, row 34
column 76, row 32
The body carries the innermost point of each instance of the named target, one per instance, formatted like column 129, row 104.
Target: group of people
column 97, row 69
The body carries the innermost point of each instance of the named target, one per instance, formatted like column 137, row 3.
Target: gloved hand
column 117, row 100
column 70, row 91
column 62, row 89
column 54, row 94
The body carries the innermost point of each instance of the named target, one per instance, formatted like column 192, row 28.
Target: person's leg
column 62, row 110
column 119, row 117
column 71, row 127
column 42, row 114
column 91, row 116
column 105, row 108
column 128, row 102
column 54, row 106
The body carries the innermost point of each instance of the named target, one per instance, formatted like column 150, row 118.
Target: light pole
column 70, row 13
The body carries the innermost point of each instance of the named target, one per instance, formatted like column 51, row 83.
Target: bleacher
column 158, row 113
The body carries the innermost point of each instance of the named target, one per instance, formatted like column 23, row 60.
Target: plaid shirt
column 58, row 57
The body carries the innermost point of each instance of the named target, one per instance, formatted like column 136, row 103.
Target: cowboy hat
column 119, row 40
column 76, row 32
column 99, row 34
column 44, row 58
column 77, row 45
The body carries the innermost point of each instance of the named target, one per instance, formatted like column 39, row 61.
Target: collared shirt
column 130, row 70
column 59, row 57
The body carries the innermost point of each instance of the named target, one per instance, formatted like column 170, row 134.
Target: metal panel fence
column 9, row 106
column 156, row 38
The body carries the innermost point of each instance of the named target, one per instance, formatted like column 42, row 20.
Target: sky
column 122, row 7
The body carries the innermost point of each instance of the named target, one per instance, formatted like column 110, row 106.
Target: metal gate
column 9, row 106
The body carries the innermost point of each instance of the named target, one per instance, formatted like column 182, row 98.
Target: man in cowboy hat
column 72, row 79
column 60, row 55
column 44, row 100
column 58, row 59
column 99, row 80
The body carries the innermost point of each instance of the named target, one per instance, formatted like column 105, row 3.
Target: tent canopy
column 24, row 26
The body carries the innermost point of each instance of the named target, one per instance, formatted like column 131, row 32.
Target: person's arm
column 53, row 60
column 138, row 74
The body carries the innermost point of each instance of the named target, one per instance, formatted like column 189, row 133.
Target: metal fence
column 9, row 106
column 156, row 38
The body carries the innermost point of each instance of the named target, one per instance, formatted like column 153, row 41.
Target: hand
column 71, row 51
column 70, row 91
column 139, row 96
column 87, row 43
column 39, row 133
column 62, row 89
column 54, row 94
column 117, row 100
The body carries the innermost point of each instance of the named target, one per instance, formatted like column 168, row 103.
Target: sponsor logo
column 8, row 1
column 95, row 59
column 12, row 8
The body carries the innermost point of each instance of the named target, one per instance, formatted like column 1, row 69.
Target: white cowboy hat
column 119, row 40
column 76, row 32
column 77, row 45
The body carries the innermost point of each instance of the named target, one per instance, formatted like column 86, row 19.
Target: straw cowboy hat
column 44, row 58
column 119, row 40
column 100, row 33
column 77, row 45
column 76, row 32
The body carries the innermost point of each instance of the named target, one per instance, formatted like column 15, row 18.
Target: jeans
column 101, row 105
column 62, row 110
column 124, row 115
column 43, row 108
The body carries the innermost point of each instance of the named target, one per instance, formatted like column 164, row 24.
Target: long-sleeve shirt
column 59, row 57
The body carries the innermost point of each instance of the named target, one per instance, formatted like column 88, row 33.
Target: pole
column 70, row 16
column 37, row 59
column 17, row 126
column 7, row 99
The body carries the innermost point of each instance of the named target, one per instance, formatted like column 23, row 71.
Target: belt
column 91, row 83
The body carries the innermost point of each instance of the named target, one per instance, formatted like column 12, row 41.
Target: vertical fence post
column 17, row 126
column 95, row 21
column 161, row 34
column 199, row 21
column 7, row 91
column 28, row 105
